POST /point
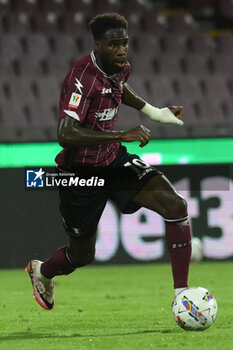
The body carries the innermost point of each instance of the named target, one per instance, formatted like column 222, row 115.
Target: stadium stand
column 225, row 43
column 226, row 8
column 222, row 65
column 181, row 53
column 182, row 22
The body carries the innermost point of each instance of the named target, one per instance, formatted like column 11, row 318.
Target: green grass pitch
column 113, row 307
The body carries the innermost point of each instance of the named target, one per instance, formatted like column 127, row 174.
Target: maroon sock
column 178, row 237
column 58, row 264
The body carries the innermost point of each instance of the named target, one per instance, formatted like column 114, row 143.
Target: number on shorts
column 137, row 165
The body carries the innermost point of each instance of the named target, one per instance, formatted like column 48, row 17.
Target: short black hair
column 101, row 23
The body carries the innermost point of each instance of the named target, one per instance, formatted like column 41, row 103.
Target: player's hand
column 166, row 115
column 140, row 133
column 178, row 111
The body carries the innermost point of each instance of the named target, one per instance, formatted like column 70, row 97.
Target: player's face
column 112, row 50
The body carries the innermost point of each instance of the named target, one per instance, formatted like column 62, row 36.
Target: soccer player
column 90, row 98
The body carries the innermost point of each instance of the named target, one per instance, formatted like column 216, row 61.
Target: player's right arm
column 71, row 133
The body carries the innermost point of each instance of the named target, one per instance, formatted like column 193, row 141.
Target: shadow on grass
column 28, row 335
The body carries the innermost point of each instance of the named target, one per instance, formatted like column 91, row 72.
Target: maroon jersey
column 93, row 98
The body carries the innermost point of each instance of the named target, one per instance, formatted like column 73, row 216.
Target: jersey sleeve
column 76, row 94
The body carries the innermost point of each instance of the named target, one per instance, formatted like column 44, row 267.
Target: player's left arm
column 171, row 114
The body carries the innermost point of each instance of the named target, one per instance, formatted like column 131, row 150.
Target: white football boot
column 43, row 288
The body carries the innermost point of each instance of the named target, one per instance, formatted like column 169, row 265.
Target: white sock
column 179, row 290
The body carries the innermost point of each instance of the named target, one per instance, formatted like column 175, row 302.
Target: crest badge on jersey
column 74, row 100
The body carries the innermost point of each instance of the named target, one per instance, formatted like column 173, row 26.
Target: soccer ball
column 197, row 250
column 194, row 309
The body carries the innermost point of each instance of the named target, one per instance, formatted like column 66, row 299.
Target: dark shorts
column 81, row 207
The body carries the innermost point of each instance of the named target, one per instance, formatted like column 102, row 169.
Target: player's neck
column 99, row 65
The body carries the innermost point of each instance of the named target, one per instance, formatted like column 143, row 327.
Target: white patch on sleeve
column 72, row 114
column 74, row 100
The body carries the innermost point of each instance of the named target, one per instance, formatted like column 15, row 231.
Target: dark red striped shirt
column 93, row 98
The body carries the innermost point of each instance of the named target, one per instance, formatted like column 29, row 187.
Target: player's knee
column 177, row 207
column 87, row 260
column 82, row 251
column 83, row 260
column 181, row 206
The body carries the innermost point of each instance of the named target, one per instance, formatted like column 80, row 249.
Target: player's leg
column 82, row 252
column 136, row 184
column 160, row 196
column 81, row 211
column 65, row 260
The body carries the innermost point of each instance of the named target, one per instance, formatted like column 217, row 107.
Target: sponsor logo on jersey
column 78, row 85
column 106, row 91
column 35, row 178
column 107, row 114
column 74, row 100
